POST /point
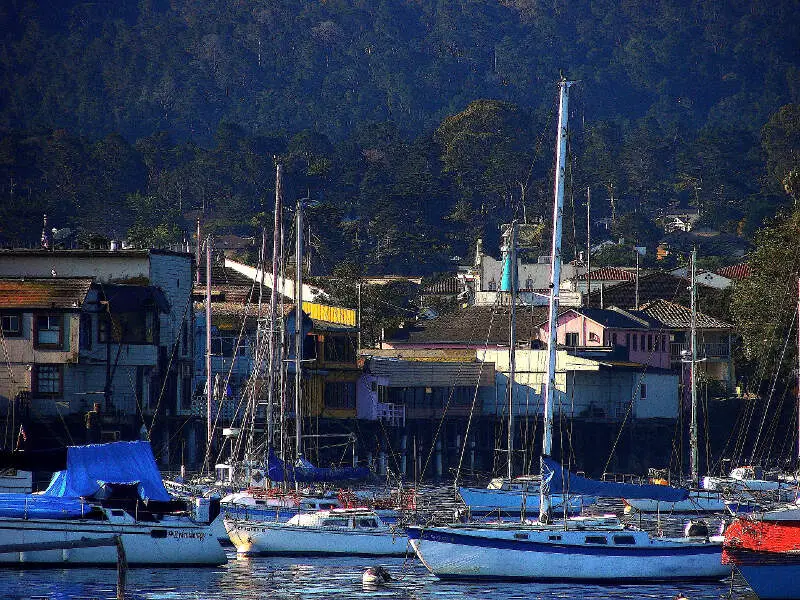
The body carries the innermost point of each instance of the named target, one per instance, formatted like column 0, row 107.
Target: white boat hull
column 473, row 553
column 696, row 502
column 177, row 543
column 281, row 538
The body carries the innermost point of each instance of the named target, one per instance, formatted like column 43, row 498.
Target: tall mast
column 298, row 327
column 209, row 387
column 693, row 425
column 273, row 303
column 798, row 372
column 512, row 342
column 555, row 281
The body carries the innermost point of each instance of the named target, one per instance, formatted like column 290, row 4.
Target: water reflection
column 292, row 578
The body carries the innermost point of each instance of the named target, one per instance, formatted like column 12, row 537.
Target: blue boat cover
column 39, row 506
column 308, row 473
column 575, row 484
column 91, row 467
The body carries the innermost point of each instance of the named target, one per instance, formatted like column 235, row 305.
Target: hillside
column 418, row 124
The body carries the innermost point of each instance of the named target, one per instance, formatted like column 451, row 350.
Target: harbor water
column 276, row 578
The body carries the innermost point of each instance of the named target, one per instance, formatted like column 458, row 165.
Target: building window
column 49, row 329
column 492, row 285
column 643, row 391
column 340, row 394
column 649, row 342
column 86, row 332
column 227, row 346
column 339, row 349
column 614, row 339
column 185, row 338
column 663, row 343
column 627, row 340
column 572, row 339
column 48, row 381
column 635, row 342
column 12, row 325
column 529, row 284
column 186, row 392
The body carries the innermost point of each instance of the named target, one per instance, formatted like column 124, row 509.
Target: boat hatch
column 117, row 513
column 158, row 533
column 596, row 539
column 624, row 540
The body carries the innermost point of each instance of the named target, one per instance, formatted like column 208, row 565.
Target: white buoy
column 375, row 575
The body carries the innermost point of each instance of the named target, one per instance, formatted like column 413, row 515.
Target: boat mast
column 693, row 377
column 273, row 304
column 209, row 388
column 798, row 373
column 298, row 326
column 512, row 342
column 555, row 281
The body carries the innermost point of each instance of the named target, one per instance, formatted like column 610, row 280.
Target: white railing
column 393, row 415
column 708, row 350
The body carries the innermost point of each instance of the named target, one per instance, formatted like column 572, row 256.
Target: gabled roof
column 739, row 271
column 676, row 316
column 475, row 325
column 619, row 319
column 609, row 274
column 38, row 293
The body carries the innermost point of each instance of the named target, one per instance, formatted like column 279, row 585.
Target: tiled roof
column 609, row 274
column 475, row 325
column 654, row 286
column 230, row 284
column 51, row 292
column 411, row 373
column 676, row 316
column 739, row 271
column 447, row 285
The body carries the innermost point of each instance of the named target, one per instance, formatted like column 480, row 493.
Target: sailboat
column 699, row 500
column 262, row 501
column 105, row 490
column 578, row 549
column 508, row 497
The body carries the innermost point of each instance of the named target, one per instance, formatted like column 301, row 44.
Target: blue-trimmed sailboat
column 580, row 549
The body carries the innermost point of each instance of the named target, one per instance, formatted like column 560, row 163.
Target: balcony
column 714, row 350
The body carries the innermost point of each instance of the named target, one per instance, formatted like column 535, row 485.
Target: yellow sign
column 331, row 314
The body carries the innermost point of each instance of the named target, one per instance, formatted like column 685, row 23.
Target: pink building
column 644, row 338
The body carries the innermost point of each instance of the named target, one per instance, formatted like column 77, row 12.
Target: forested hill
column 114, row 111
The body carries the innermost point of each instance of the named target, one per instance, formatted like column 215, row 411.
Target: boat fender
column 680, row 596
column 696, row 529
column 376, row 575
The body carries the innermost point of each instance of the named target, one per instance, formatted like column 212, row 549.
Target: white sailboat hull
column 169, row 543
column 281, row 538
column 696, row 502
column 472, row 553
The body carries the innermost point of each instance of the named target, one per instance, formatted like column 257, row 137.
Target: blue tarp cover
column 308, row 473
column 93, row 466
column 575, row 484
column 39, row 506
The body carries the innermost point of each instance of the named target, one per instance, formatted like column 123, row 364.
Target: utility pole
column 588, row 243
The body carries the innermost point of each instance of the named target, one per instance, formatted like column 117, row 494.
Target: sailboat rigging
column 580, row 549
